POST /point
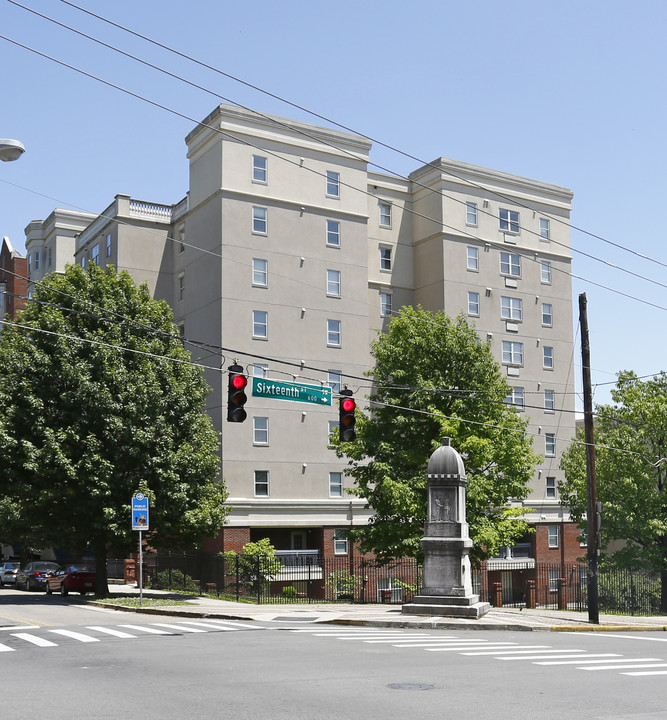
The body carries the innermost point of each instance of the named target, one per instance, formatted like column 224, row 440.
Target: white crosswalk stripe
column 181, row 627
column 147, row 629
column 34, row 639
column 76, row 636
column 6, row 648
column 110, row 631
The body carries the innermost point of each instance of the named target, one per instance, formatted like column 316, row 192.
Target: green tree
column 434, row 378
column 98, row 400
column 631, row 474
column 255, row 566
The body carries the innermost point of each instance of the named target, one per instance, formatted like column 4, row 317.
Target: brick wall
column 568, row 549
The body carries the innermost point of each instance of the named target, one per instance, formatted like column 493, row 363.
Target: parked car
column 8, row 572
column 33, row 575
column 71, row 578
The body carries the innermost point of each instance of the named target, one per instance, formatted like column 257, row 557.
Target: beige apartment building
column 288, row 255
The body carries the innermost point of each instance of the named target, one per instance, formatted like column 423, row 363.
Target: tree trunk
column 663, row 591
column 101, row 585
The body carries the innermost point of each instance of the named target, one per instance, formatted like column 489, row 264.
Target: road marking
column 205, row 625
column 564, row 659
column 5, row 648
column 110, row 631
column 444, row 643
column 629, row 665
column 494, row 647
column 236, row 625
column 180, row 627
column 35, row 639
column 530, row 649
column 146, row 629
column 75, row 635
column 20, row 627
column 648, row 672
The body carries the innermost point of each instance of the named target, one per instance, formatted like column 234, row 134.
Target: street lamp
column 10, row 149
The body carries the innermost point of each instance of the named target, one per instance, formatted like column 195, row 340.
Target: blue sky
column 570, row 93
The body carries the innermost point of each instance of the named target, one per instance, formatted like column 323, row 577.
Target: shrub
column 172, row 580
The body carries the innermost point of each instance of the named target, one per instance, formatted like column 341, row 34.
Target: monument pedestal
column 447, row 606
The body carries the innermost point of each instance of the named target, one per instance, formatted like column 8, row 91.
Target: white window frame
column 181, row 287
column 385, row 258
column 260, row 169
column 385, row 304
column 550, row 444
column 260, row 220
column 550, row 488
column 472, row 259
column 333, row 233
column 385, row 214
column 547, row 357
column 553, row 541
column 509, row 221
column 334, row 333
column 108, row 244
column 554, row 574
column 549, row 401
column 260, row 325
column 545, row 272
column 512, row 352
column 510, row 264
column 260, row 272
column 331, row 428
column 261, row 478
column 547, row 315
column 340, row 543
column 336, row 484
column 37, row 260
column 260, row 430
column 511, row 308
column 95, row 254
column 473, row 303
column 333, row 184
column 545, row 229
column 517, row 397
column 260, row 370
column 471, row 214
column 334, row 380
column 181, row 240
column 82, row 262
column 333, row 283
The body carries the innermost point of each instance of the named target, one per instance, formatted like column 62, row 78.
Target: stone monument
column 447, row 577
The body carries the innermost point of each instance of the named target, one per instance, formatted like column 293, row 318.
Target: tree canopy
column 631, row 474
column 434, row 378
column 100, row 399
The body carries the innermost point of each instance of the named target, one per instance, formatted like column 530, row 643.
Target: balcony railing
column 299, row 558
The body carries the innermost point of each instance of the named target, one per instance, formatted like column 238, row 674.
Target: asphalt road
column 58, row 660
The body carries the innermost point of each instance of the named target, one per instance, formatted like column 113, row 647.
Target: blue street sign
column 139, row 512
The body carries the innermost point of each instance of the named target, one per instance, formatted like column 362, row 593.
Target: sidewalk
column 385, row 615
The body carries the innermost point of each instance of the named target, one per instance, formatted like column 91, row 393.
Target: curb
column 608, row 628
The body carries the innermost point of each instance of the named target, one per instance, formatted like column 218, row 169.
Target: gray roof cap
column 446, row 461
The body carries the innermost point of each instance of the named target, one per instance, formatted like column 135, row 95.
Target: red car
column 71, row 578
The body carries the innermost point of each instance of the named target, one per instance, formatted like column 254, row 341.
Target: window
column 512, row 352
column 472, row 261
column 333, row 283
column 511, row 308
column 260, row 324
column 95, row 254
column 334, row 379
column 554, row 574
column 385, row 304
column 548, row 358
column 340, row 542
column 336, row 485
column 29, row 263
column 333, row 233
column 547, row 314
column 259, row 168
column 473, row 303
column 550, row 444
column 516, row 397
column 82, row 262
column 108, row 244
column 50, row 256
column 181, row 240
column 260, row 370
column 332, row 426
column 545, row 272
column 333, row 183
column 551, row 488
column 554, row 535
column 333, row 333
column 545, row 230
column 260, row 272
column 37, row 261
column 549, row 401
column 509, row 220
column 385, row 215
column 181, row 329
column 385, row 258
column 260, row 430
column 471, row 213
column 259, row 220
column 261, row 483
column 181, row 287
column 510, row 264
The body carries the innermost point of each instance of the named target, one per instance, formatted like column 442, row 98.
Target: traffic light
column 236, row 397
column 346, row 408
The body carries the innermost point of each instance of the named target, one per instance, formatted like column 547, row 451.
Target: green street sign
column 264, row 388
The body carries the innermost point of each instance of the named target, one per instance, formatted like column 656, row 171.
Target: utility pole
column 591, row 492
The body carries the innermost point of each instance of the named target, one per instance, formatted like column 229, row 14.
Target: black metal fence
column 308, row 577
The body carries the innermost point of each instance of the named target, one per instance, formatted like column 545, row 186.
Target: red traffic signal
column 236, row 397
column 346, row 411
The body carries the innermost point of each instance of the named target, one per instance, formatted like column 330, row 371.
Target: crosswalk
column 13, row 639
column 536, row 653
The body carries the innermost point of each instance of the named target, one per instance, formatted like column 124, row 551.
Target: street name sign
column 264, row 388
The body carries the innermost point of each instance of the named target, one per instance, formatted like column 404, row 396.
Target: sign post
column 140, row 523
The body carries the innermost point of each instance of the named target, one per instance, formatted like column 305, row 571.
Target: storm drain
column 410, row 686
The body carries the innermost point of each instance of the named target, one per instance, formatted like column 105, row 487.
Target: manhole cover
column 410, row 686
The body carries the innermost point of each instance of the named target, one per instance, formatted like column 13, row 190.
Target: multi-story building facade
column 13, row 284
column 288, row 255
